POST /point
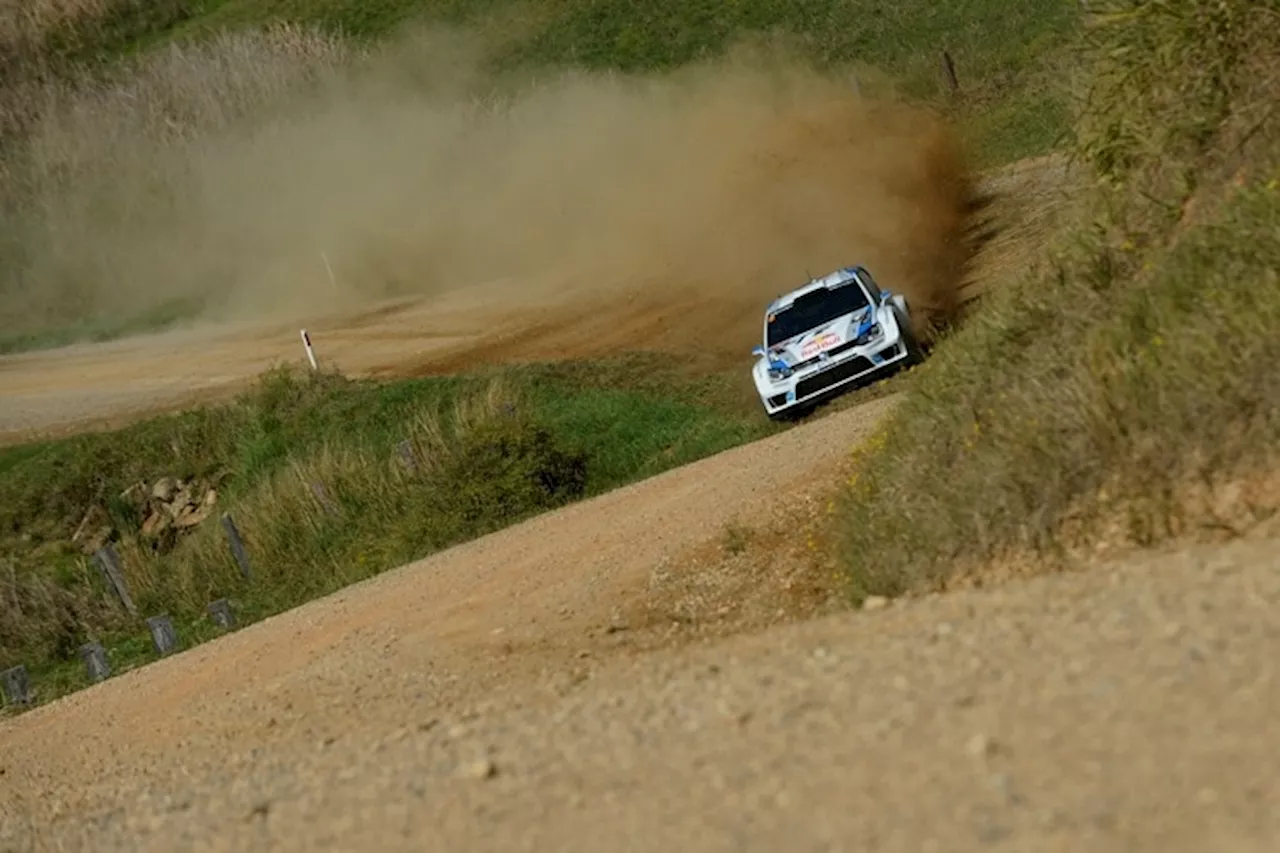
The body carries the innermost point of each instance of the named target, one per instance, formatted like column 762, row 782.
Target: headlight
column 779, row 369
column 869, row 335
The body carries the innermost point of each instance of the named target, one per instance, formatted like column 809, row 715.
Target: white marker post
column 311, row 353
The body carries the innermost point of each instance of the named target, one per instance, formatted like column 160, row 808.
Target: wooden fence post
column 237, row 546
column 16, row 685
column 163, row 637
column 108, row 562
column 949, row 71
column 222, row 615
column 95, row 661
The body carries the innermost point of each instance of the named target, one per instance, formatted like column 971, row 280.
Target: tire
column 915, row 353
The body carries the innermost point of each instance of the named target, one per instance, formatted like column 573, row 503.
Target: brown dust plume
column 581, row 214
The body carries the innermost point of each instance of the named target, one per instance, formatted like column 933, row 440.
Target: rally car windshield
column 814, row 309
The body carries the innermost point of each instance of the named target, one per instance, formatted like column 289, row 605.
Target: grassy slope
column 626, row 419
column 1104, row 396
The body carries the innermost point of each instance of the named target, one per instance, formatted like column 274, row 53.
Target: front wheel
column 915, row 353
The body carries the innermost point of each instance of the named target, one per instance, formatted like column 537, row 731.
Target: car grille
column 842, row 371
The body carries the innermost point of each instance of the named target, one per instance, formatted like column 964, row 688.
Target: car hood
column 824, row 338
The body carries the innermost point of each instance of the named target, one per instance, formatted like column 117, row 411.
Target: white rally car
column 832, row 334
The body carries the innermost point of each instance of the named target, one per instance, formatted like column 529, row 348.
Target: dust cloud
column 583, row 213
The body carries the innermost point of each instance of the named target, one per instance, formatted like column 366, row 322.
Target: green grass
column 493, row 448
column 1093, row 399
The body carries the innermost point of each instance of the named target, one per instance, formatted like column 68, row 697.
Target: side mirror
column 758, row 350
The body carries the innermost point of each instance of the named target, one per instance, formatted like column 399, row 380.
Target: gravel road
column 495, row 697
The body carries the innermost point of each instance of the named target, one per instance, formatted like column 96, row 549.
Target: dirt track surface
column 105, row 385
column 502, row 696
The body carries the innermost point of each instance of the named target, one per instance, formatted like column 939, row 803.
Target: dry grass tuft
column 25, row 23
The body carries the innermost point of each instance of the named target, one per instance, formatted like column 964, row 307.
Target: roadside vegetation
column 329, row 481
column 1122, row 393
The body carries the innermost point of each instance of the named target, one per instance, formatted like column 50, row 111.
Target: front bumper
column 841, row 372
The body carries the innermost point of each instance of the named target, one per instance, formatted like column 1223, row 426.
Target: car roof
column 840, row 276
